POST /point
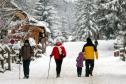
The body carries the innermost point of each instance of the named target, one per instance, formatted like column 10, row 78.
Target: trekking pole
column 49, row 68
column 19, row 70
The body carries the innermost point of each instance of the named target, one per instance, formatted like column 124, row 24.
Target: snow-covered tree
column 45, row 12
column 111, row 17
column 85, row 23
column 107, row 17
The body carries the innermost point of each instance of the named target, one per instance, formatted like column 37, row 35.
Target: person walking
column 26, row 53
column 79, row 64
column 59, row 53
column 96, row 43
column 90, row 52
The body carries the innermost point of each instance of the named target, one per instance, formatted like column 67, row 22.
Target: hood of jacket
column 58, row 44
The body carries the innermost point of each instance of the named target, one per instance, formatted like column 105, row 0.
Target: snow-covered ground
column 108, row 69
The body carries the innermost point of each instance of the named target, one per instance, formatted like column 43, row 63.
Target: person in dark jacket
column 79, row 64
column 96, row 43
column 90, row 52
column 26, row 53
column 59, row 53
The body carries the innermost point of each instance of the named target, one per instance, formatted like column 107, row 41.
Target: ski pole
column 49, row 68
column 19, row 70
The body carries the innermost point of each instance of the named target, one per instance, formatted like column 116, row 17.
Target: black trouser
column 89, row 66
column 58, row 66
column 79, row 71
column 26, row 64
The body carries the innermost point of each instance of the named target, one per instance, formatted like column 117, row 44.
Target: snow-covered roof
column 31, row 18
column 42, row 23
column 37, row 23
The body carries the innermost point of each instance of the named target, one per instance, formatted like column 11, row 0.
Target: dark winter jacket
column 26, row 52
column 80, row 60
column 58, row 50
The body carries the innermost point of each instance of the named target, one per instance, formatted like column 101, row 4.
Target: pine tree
column 45, row 12
column 111, row 17
column 85, row 22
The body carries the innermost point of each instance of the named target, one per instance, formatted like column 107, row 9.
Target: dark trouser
column 58, row 66
column 89, row 67
column 79, row 71
column 26, row 64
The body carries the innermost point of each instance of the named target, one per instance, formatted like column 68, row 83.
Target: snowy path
column 108, row 69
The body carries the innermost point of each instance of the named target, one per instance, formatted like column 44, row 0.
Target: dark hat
column 26, row 41
column 89, row 40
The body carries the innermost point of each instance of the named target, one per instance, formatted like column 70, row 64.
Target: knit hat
column 89, row 40
column 26, row 41
column 58, row 44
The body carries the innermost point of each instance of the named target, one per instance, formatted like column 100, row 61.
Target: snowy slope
column 108, row 69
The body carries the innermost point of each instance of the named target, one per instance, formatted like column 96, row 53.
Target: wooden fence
column 120, row 53
column 7, row 57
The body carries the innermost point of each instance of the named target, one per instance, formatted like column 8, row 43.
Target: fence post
column 9, row 61
column 3, row 60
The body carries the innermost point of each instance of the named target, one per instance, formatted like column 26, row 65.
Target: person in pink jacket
column 79, row 64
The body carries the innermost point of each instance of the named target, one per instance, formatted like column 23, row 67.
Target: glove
column 19, row 59
column 96, row 58
column 50, row 56
column 96, row 55
column 32, row 58
column 63, row 56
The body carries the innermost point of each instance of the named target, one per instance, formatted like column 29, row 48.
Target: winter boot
column 86, row 75
column 79, row 75
column 58, row 75
column 90, row 73
column 27, row 76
